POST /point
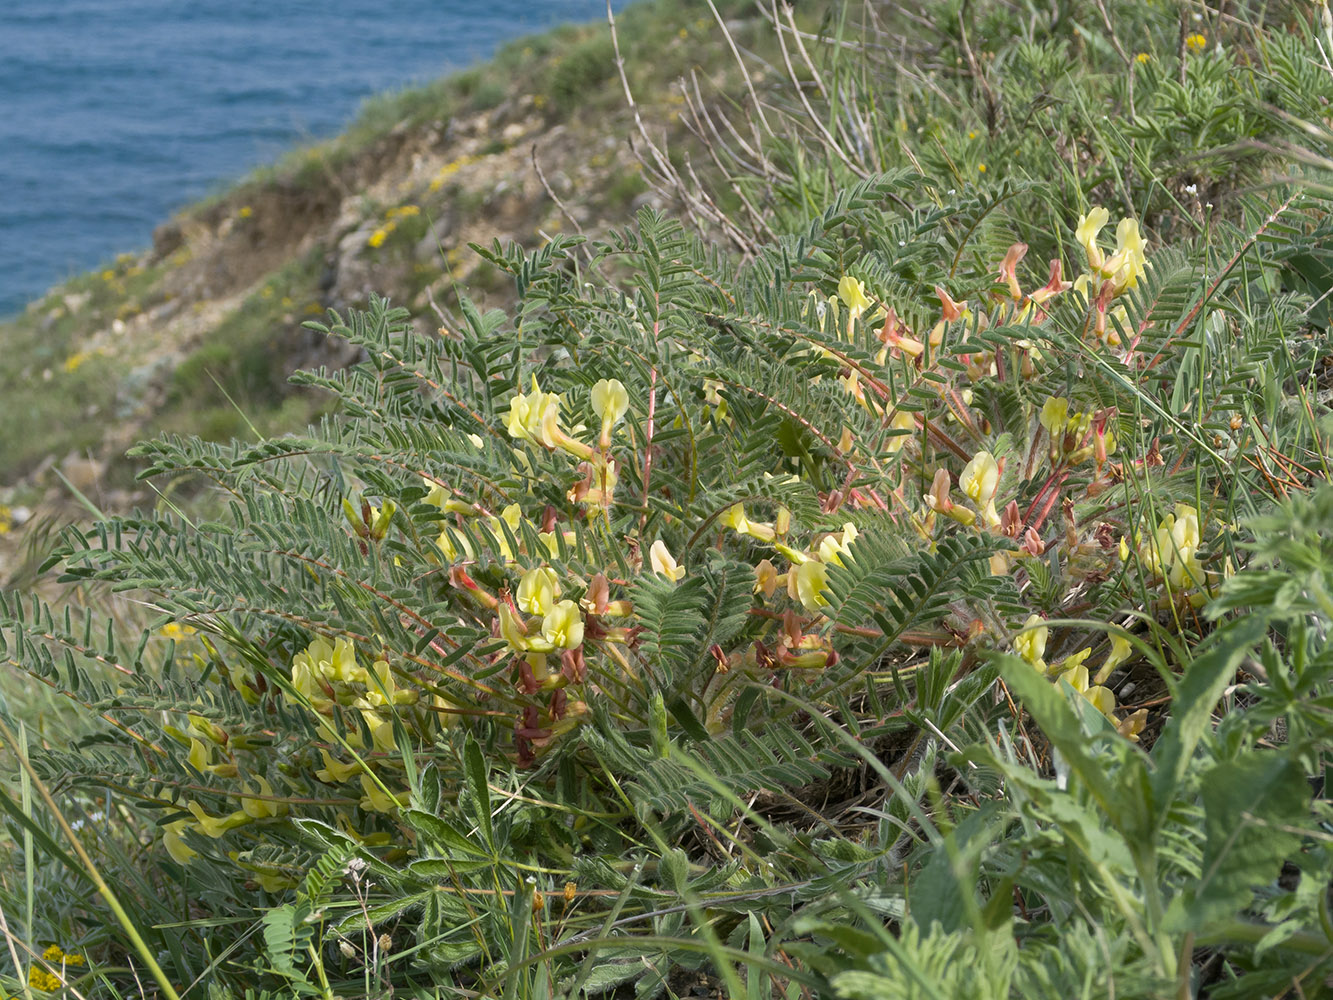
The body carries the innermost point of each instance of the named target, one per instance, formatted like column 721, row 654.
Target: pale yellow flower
column 181, row 852
column 1088, row 227
column 1129, row 261
column 978, row 482
column 765, row 578
column 562, row 627
column 1055, row 417
column 1120, row 652
column 663, row 562
column 216, row 826
column 853, row 295
column 257, row 808
column 376, row 800
column 900, row 421
column 529, row 412
column 980, row 478
column 538, row 590
column 811, row 582
column 334, row 772
column 835, row 546
column 610, row 401
column 1030, row 643
column 511, row 629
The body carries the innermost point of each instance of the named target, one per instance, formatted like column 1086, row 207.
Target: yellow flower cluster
column 807, row 581
column 208, row 743
column 40, row 979
column 449, row 169
column 535, row 417
column 1109, row 277
column 328, row 674
column 76, row 360
column 1030, row 644
column 1171, row 553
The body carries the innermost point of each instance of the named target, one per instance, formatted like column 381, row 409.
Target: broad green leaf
column 1195, row 697
column 1252, row 808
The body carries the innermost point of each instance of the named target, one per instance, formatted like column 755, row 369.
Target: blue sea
column 114, row 113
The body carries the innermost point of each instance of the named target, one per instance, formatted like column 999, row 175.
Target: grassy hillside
column 891, row 563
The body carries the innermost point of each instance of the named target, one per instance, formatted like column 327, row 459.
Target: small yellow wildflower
column 1030, row 643
column 810, row 581
column 978, row 482
column 765, row 578
column 835, row 546
column 378, row 237
column 40, row 979
column 1196, row 42
column 512, row 629
column 538, row 590
column 335, row 772
column 981, row 168
column 1088, row 227
column 246, row 211
column 853, row 295
column 1055, row 416
column 1142, row 57
column 216, row 826
column 610, row 400
column 75, row 361
column 376, row 800
column 261, row 808
column 1120, row 652
column 663, row 562
column 563, row 626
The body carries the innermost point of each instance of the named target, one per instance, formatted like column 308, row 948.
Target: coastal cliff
column 198, row 333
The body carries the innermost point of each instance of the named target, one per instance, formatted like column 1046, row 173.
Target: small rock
column 167, row 239
column 83, row 473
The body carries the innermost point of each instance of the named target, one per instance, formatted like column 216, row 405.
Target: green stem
column 1244, row 932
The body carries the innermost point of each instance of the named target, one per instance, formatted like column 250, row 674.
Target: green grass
column 237, row 378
